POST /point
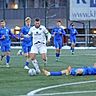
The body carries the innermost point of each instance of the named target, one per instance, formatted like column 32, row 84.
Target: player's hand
column 22, row 35
column 60, row 32
column 3, row 37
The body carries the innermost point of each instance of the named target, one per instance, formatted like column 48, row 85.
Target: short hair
column 37, row 19
column 59, row 21
column 2, row 20
column 27, row 18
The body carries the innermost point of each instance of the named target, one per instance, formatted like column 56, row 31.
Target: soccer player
column 58, row 33
column 5, row 41
column 73, row 33
column 73, row 71
column 26, row 42
column 39, row 33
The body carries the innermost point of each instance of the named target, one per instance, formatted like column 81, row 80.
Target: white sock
column 35, row 64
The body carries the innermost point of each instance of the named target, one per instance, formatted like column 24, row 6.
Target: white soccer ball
column 32, row 72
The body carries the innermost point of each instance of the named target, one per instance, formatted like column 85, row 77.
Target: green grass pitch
column 15, row 81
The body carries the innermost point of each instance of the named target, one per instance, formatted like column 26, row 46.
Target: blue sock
column 72, row 49
column 56, row 73
column 57, row 54
column 7, row 59
column 27, row 63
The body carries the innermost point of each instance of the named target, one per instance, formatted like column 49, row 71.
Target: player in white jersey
column 39, row 33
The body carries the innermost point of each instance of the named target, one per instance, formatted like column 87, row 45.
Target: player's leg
column 7, row 50
column 26, row 54
column 43, row 52
column 3, row 52
column 33, row 52
column 52, row 73
column 57, row 50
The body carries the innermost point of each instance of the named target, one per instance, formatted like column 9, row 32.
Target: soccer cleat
column 38, row 71
column 26, row 67
column 7, row 65
column 47, row 73
column 19, row 52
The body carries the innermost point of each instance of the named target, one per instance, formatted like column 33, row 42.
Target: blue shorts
column 26, row 49
column 73, row 40
column 58, row 44
column 5, row 48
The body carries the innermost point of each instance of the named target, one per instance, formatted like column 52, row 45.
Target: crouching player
column 73, row 71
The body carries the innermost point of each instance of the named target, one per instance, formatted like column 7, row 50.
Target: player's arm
column 47, row 34
column 63, row 32
column 12, row 35
column 27, row 35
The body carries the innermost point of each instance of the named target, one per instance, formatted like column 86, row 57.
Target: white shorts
column 38, row 48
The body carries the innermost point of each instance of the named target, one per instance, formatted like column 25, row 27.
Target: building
column 14, row 11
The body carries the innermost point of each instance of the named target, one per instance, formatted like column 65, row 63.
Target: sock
column 7, row 59
column 57, row 54
column 72, row 49
column 27, row 63
column 35, row 64
column 56, row 73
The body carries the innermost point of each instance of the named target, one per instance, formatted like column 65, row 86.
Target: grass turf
column 16, row 81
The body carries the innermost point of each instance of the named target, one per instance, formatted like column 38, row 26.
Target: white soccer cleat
column 26, row 67
column 7, row 65
column 38, row 71
column 19, row 52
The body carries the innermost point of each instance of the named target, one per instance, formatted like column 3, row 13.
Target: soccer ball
column 32, row 72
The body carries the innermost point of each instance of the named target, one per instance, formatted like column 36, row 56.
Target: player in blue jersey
column 83, row 71
column 5, row 41
column 58, row 33
column 26, row 42
column 73, row 33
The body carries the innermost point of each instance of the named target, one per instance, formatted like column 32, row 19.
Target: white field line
column 32, row 93
column 67, row 93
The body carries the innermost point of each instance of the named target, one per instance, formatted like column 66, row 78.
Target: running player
column 58, row 33
column 5, row 41
column 26, row 42
column 73, row 71
column 39, row 33
column 73, row 33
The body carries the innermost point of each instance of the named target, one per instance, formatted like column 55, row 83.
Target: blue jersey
column 59, row 32
column 73, row 32
column 7, row 33
column 86, row 71
column 26, row 41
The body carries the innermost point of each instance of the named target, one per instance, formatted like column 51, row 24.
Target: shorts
column 26, row 49
column 58, row 44
column 38, row 48
column 5, row 48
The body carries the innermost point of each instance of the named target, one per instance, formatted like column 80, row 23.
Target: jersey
column 73, row 33
column 39, row 34
column 85, row 71
column 5, row 42
column 26, row 41
column 6, row 32
column 58, row 34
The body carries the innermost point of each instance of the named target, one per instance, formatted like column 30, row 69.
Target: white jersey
column 38, row 34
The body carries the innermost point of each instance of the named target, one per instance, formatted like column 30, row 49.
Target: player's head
column 28, row 21
column 59, row 22
column 94, row 65
column 73, row 25
column 37, row 23
column 2, row 23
